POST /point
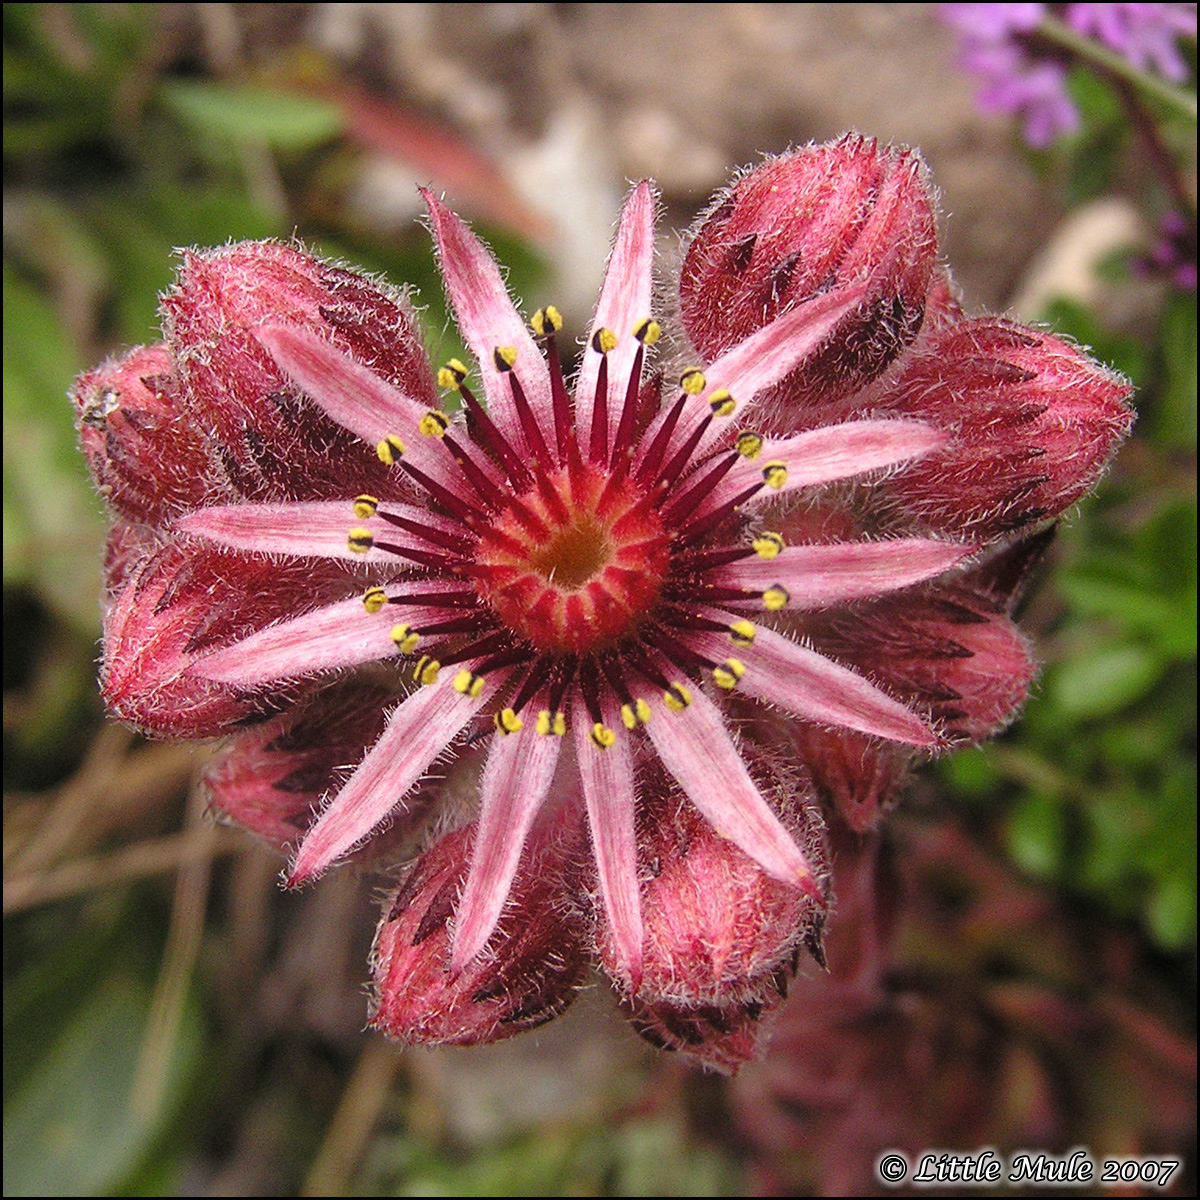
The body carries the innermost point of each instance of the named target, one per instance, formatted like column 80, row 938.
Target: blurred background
column 174, row 1023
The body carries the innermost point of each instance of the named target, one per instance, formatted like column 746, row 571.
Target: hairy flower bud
column 717, row 927
column 804, row 224
column 177, row 604
column 147, row 460
column 1034, row 422
column 533, row 966
column 272, row 442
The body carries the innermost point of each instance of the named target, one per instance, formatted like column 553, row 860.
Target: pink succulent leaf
column 826, row 455
column 356, row 397
column 696, row 747
column 764, row 358
column 418, row 731
column 625, row 301
column 518, row 774
column 610, row 794
column 809, row 685
column 815, row 576
column 272, row 777
column 337, row 635
column 488, row 320
column 312, row 529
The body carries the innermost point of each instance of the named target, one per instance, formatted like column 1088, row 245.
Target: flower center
column 575, row 563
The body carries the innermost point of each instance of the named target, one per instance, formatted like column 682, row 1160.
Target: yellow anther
column 504, row 357
column 507, row 721
column 603, row 736
column 546, row 320
column 647, row 331
column 433, row 424
column 635, row 714
column 405, row 637
column 728, row 674
column 692, row 381
column 374, row 598
column 741, row 633
column 775, row 598
column 427, row 669
column 452, row 374
column 604, row 340
column 389, row 449
column 551, row 723
column 365, row 506
column 767, row 544
column 677, row 697
column 468, row 683
column 775, row 474
column 721, row 403
column 749, row 444
column 360, row 540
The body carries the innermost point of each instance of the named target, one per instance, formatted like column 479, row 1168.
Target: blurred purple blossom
column 1024, row 74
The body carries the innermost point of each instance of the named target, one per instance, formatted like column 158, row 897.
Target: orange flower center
column 575, row 564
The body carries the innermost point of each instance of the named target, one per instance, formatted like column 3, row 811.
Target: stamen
column 696, row 528
column 728, row 674
column 775, row 474
column 456, row 543
column 692, row 381
column 683, row 456
column 551, row 723
column 360, row 540
column 698, row 492
column 405, row 637
column 768, row 545
column 741, row 633
column 602, row 736
column 776, row 597
column 749, row 444
column 534, row 442
column 389, row 450
column 433, row 423
column 485, row 489
column 546, row 323
column 426, row 670
column 468, row 683
column 722, row 403
column 603, row 340
column 484, row 430
column 466, row 513
column 677, row 697
column 658, row 447
column 374, row 598
column 365, row 506
column 507, row 721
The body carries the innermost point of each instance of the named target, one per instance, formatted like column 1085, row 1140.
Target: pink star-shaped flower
column 603, row 657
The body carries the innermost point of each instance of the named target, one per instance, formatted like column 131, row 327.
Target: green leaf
column 253, row 114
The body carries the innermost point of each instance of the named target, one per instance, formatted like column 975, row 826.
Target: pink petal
column 519, row 770
column 338, row 635
column 487, row 318
column 353, row 395
column 315, row 528
column 625, row 300
column 609, row 792
column 696, row 747
column 824, row 455
column 764, row 358
column 818, row 575
column 418, row 730
column 814, row 687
